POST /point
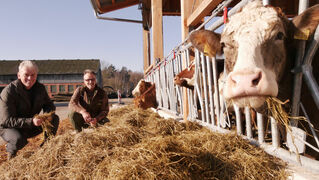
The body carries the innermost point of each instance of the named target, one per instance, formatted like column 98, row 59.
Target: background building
column 60, row 77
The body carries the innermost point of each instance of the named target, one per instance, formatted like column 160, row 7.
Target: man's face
column 28, row 76
column 89, row 81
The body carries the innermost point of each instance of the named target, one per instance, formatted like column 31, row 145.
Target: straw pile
column 46, row 124
column 138, row 144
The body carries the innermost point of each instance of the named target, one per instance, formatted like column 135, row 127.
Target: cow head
column 141, row 87
column 186, row 77
column 255, row 42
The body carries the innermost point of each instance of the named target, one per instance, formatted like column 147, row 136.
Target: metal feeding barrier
column 207, row 107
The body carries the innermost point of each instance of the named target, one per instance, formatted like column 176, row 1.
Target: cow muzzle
column 249, row 88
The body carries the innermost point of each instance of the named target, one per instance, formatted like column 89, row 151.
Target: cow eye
column 280, row 36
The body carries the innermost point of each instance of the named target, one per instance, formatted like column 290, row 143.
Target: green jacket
column 97, row 106
column 17, row 109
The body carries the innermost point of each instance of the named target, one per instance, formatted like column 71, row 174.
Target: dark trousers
column 78, row 122
column 16, row 138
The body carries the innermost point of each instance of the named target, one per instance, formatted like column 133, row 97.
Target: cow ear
column 306, row 23
column 207, row 42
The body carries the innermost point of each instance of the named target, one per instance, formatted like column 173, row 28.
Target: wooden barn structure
column 181, row 102
column 60, row 77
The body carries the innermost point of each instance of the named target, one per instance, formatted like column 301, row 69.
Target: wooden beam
column 201, row 11
column 186, row 7
column 146, row 49
column 157, row 30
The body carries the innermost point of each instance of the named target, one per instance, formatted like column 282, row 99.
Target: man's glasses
column 93, row 79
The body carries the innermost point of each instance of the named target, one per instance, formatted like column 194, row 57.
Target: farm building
column 203, row 103
column 60, row 77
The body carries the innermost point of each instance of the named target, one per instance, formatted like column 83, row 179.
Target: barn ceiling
column 173, row 7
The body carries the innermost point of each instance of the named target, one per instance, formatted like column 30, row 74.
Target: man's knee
column 75, row 116
column 15, row 140
column 77, row 121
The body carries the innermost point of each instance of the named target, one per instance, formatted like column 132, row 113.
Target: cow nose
column 245, row 84
column 247, row 79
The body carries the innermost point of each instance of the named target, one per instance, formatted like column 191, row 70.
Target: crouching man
column 89, row 104
column 20, row 101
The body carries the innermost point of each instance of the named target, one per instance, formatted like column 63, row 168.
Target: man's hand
column 93, row 122
column 37, row 121
column 86, row 116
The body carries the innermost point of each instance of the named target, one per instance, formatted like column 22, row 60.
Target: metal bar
column 313, row 86
column 238, row 120
column 313, row 47
column 205, row 88
column 266, row 2
column 210, row 90
column 261, row 128
column 231, row 12
column 274, row 132
column 307, row 68
column 248, row 122
column 303, row 5
column 158, row 89
column 200, row 95
column 216, row 91
column 117, row 19
column 310, row 124
column 217, row 10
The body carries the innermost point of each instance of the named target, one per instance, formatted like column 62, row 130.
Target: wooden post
column 146, row 49
column 157, row 30
column 186, row 7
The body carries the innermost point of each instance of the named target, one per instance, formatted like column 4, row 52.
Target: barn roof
column 75, row 66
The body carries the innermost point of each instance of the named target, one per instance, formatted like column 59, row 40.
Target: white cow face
column 255, row 55
column 255, row 46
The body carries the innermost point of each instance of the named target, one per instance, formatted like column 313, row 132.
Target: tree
column 125, row 80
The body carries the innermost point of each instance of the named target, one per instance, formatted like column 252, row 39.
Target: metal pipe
column 248, row 122
column 231, row 12
column 217, row 10
column 201, row 87
column 310, row 124
column 307, row 68
column 261, row 128
column 313, row 86
column 117, row 19
column 313, row 47
column 205, row 87
column 303, row 4
column 216, row 90
column 274, row 132
column 238, row 120
column 266, row 2
column 210, row 90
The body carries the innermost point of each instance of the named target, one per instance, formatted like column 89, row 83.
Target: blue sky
column 68, row 29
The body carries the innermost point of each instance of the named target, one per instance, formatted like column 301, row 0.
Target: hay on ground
column 138, row 144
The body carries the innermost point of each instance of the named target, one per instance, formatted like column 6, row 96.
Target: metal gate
column 212, row 112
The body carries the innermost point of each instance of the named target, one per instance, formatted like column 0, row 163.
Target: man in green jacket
column 89, row 104
column 20, row 101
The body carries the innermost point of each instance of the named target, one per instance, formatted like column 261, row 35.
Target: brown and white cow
column 141, row 87
column 147, row 99
column 186, row 77
column 259, row 47
column 144, row 95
